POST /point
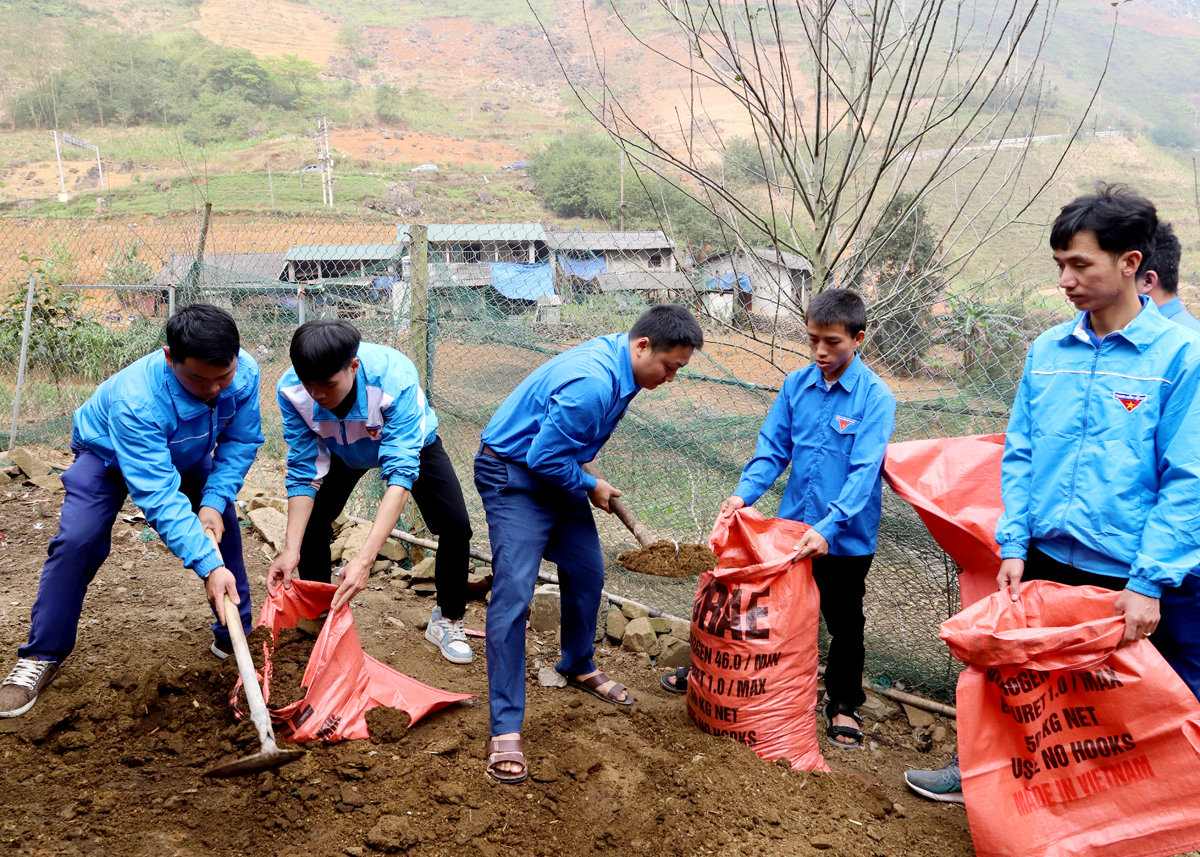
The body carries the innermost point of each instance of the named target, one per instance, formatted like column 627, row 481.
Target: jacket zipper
column 1087, row 409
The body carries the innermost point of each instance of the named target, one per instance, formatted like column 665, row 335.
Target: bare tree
column 852, row 105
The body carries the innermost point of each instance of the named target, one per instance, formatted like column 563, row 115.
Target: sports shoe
column 449, row 637
column 20, row 690
column 944, row 784
column 220, row 651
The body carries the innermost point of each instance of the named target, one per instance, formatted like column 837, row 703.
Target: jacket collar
column 625, row 363
column 854, row 370
column 187, row 405
column 1139, row 333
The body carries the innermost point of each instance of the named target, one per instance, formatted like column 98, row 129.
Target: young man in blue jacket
column 1101, row 469
column 536, row 497
column 1158, row 278
column 831, row 423
column 176, row 431
column 349, row 406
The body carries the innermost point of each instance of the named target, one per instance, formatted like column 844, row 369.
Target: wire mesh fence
column 479, row 306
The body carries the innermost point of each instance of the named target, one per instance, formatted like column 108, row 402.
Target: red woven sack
column 1067, row 744
column 754, row 641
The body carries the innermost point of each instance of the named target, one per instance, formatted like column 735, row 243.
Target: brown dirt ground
column 669, row 559
column 109, row 761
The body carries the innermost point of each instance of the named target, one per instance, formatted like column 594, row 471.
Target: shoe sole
column 218, row 652
column 948, row 797
column 454, row 659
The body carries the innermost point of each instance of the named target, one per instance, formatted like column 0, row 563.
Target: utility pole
column 58, row 154
column 326, row 162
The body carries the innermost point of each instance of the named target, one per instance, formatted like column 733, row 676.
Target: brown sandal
column 506, row 750
column 591, row 685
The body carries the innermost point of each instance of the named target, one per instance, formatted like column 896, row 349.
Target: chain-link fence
column 478, row 306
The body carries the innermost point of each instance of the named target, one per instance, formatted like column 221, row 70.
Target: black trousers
column 842, row 582
column 437, row 494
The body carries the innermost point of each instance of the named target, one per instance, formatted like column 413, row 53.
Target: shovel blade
column 255, row 764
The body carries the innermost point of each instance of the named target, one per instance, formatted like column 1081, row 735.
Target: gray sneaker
column 944, row 784
column 449, row 637
column 20, row 690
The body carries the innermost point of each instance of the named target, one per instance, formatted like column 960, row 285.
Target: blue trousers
column 95, row 494
column 528, row 519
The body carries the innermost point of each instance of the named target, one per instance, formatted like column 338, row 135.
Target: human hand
column 602, row 493
column 217, row 585
column 281, row 570
column 354, row 577
column 1141, row 614
column 812, row 545
column 1011, row 572
column 731, row 505
column 210, row 519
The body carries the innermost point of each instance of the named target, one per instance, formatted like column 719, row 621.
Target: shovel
column 269, row 755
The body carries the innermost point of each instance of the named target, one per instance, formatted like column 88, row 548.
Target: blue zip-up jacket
column 835, row 438
column 1178, row 313
column 1101, row 462
column 144, row 422
column 561, row 415
column 389, row 425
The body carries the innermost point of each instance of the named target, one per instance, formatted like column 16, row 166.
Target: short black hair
column 838, row 306
column 668, row 326
column 1121, row 219
column 322, row 348
column 1164, row 258
column 204, row 332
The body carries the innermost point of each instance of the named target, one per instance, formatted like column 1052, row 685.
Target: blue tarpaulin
column 522, row 282
column 725, row 283
column 585, row 269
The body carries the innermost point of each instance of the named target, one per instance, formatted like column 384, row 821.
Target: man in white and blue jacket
column 176, row 431
column 536, row 496
column 349, row 406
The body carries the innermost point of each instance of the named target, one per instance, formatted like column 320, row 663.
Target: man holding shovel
column 176, row 431
column 535, row 494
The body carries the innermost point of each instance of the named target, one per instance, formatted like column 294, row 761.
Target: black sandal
column 681, row 678
column 832, row 733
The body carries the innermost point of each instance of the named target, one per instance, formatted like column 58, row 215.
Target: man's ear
column 1146, row 284
column 860, row 338
column 1130, row 262
column 167, row 352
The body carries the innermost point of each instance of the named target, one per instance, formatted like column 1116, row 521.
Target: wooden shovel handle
column 640, row 531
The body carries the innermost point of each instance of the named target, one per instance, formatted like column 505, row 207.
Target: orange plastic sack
column 342, row 680
column 954, row 484
column 1067, row 744
column 754, row 641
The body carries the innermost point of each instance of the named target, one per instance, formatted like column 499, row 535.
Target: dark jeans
column 1178, row 635
column 842, row 582
column 437, row 494
column 94, row 495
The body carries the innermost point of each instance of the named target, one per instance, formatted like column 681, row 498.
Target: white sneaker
column 449, row 637
column 20, row 690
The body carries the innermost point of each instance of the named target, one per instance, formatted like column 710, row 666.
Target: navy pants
column 1177, row 637
column 95, row 493
column 528, row 519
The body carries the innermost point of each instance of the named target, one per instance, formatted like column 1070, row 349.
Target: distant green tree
column 301, row 76
column 387, row 103
column 1174, row 135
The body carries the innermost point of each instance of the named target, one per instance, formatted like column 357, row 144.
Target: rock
column 660, row 625
column 545, row 611
column 394, row 550
column 30, row 464
column 424, row 570
column 643, row 661
column 380, row 565
column 675, row 653
column 681, row 630
column 614, row 626
column 878, row 709
column 479, row 582
column 414, row 617
column 939, row 734
column 259, row 502
column 271, row 525
column 390, row 834
column 351, row 796
column 640, row 637
column 918, row 717
column 424, row 587
column 337, row 549
column 51, row 481
column 451, row 793
column 250, row 491
column 340, row 522
column 75, row 740
column 821, row 843
column 354, row 540
column 634, row 611
column 395, row 623
column 550, row 677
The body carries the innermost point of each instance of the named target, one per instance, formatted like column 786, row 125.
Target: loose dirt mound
column 109, row 761
column 669, row 559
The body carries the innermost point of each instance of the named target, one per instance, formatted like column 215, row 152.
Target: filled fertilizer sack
column 1069, row 745
column 754, row 641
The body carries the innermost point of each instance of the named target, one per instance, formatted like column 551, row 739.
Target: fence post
column 12, row 435
column 419, row 326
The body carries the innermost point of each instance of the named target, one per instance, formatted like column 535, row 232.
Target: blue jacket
column 1177, row 312
column 389, row 425
column 563, row 413
column 144, row 422
column 835, row 438
column 1101, row 463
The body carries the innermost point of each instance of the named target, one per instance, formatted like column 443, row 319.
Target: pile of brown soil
column 669, row 559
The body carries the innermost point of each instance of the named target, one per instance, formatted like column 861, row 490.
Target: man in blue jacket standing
column 536, row 495
column 1158, row 278
column 1101, row 469
column 176, row 431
